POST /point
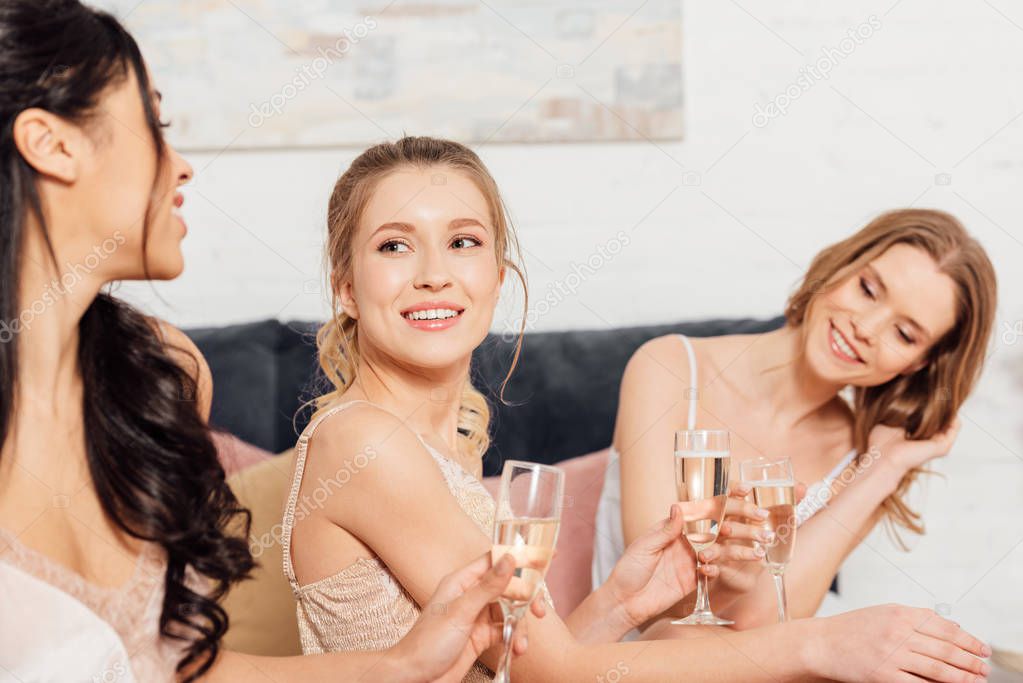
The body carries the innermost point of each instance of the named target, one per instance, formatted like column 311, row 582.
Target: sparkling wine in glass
column 774, row 490
column 702, row 461
column 525, row 527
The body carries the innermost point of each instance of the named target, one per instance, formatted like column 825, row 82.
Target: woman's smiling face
column 425, row 277
column 881, row 321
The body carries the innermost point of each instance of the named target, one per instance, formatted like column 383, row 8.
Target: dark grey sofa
column 561, row 399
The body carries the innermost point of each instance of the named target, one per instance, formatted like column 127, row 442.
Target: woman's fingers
column 949, row 653
column 731, row 552
column 539, row 607
column 936, row 670
column 741, row 508
column 490, row 587
column 739, row 490
column 745, row 532
column 943, row 629
column 457, row 582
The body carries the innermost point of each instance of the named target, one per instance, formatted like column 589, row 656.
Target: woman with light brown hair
column 418, row 247
column 900, row 314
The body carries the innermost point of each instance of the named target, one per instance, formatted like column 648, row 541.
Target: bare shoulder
column 187, row 355
column 374, row 446
column 660, row 361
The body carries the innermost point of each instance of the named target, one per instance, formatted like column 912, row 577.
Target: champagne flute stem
column 702, row 596
column 783, row 603
column 504, row 669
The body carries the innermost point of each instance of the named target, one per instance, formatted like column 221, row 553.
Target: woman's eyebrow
column 408, row 227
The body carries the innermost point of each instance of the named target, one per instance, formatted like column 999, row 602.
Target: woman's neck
column 45, row 422
column 428, row 401
column 52, row 300
column 782, row 379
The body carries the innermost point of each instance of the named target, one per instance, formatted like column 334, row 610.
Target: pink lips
column 437, row 323
column 838, row 351
column 179, row 199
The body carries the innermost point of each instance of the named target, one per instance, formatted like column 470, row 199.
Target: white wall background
column 925, row 112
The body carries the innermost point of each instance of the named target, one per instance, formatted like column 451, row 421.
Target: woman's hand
column 658, row 569
column 890, row 447
column 455, row 627
column 894, row 643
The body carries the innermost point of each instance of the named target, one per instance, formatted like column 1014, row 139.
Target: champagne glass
column 702, row 460
column 774, row 489
column 525, row 527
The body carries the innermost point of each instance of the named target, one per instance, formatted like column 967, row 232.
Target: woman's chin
column 166, row 268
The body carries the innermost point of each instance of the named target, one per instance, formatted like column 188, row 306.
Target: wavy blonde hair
column 925, row 402
column 338, row 339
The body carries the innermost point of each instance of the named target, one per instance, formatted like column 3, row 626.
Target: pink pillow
column 236, row 455
column 568, row 578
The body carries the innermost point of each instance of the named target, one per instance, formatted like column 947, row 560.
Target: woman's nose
column 433, row 273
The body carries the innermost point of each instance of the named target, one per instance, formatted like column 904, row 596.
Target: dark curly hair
column 150, row 454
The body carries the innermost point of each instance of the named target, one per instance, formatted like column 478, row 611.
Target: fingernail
column 505, row 565
column 759, row 551
column 986, row 650
column 984, row 669
column 673, row 514
column 762, row 513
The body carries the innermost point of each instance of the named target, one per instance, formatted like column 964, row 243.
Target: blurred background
column 662, row 161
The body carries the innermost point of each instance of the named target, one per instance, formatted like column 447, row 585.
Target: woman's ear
column 47, row 142
column 347, row 301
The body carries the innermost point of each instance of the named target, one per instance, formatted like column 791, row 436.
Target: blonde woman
column 418, row 248
column 901, row 313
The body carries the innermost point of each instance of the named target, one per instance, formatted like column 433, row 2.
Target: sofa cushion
column 262, row 609
column 236, row 455
column 568, row 578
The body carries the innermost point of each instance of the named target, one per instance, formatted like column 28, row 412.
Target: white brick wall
column 937, row 89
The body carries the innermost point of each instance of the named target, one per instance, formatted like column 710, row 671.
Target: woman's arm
column 827, row 538
column 452, row 632
column 399, row 506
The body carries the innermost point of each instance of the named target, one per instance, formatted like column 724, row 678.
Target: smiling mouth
column 841, row 346
column 433, row 314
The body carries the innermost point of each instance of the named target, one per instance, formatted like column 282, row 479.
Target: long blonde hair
column 925, row 402
column 338, row 339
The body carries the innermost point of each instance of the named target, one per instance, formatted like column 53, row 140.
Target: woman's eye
column 866, row 288
column 905, row 337
column 165, row 124
column 393, row 246
column 460, row 242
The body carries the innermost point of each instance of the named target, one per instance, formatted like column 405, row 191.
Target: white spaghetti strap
column 842, row 464
column 301, row 449
column 694, row 393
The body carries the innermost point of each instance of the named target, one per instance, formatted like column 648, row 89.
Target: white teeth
column 842, row 345
column 432, row 314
